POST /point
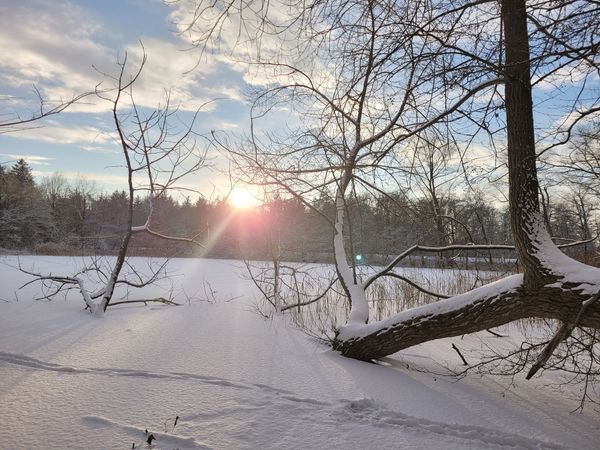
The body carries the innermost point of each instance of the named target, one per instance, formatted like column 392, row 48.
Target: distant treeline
column 60, row 217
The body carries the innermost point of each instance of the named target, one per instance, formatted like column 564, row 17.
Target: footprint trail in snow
column 261, row 402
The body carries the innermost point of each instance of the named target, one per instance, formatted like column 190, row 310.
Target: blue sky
column 54, row 46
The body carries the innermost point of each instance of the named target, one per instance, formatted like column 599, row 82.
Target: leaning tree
column 367, row 79
column 552, row 285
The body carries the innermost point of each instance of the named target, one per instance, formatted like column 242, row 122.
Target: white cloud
column 565, row 77
column 31, row 159
column 241, row 36
column 229, row 126
column 57, row 47
column 48, row 44
column 567, row 120
column 191, row 86
column 57, row 134
column 97, row 149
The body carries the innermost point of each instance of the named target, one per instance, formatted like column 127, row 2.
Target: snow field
column 237, row 381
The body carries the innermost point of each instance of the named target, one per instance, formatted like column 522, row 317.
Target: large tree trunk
column 552, row 285
column 487, row 307
column 522, row 173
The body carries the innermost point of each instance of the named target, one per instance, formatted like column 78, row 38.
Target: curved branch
column 415, row 285
column 428, row 249
column 486, row 307
column 313, row 300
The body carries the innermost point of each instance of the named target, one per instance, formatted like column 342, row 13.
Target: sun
column 243, row 198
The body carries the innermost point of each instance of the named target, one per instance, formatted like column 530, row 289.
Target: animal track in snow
column 367, row 410
column 363, row 411
column 27, row 361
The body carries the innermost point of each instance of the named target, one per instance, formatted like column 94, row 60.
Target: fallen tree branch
column 485, row 307
column 145, row 301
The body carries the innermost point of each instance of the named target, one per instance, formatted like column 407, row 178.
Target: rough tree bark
column 524, row 202
column 552, row 285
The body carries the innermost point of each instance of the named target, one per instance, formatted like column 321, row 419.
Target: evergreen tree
column 21, row 173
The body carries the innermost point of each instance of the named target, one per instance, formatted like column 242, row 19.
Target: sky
column 62, row 48
column 65, row 47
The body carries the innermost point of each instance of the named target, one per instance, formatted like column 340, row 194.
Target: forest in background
column 56, row 216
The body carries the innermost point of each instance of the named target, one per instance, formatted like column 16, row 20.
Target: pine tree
column 21, row 172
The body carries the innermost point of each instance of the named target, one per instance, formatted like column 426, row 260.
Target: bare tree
column 436, row 172
column 157, row 155
column 53, row 188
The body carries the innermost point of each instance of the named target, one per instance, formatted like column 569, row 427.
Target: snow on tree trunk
column 552, row 285
column 359, row 312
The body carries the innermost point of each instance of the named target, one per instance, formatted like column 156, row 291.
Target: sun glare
column 242, row 198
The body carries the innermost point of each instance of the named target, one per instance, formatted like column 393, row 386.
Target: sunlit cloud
column 169, row 69
column 50, row 46
column 30, row 159
column 241, row 37
column 59, row 48
column 64, row 48
column 56, row 134
column 98, row 149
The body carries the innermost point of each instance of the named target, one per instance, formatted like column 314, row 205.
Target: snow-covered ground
column 237, row 381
